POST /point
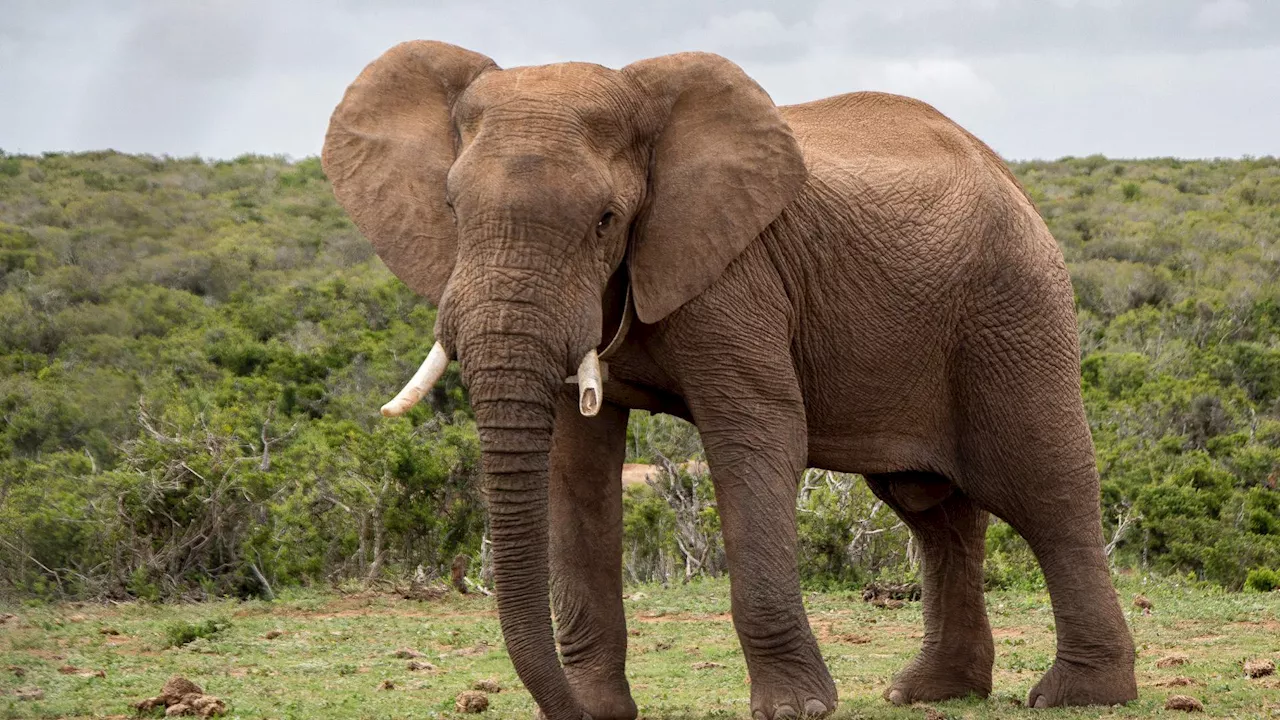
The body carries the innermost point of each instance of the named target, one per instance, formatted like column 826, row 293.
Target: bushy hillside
column 192, row 355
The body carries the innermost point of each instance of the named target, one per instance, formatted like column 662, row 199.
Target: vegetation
column 192, row 354
column 181, row 632
column 310, row 655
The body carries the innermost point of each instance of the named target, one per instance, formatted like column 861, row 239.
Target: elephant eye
column 606, row 221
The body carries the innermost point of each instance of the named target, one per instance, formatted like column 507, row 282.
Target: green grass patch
column 319, row 655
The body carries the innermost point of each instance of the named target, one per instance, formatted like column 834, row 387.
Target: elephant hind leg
column 958, row 652
column 1095, row 654
column 1027, row 457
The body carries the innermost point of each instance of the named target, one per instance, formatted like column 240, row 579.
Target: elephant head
column 509, row 198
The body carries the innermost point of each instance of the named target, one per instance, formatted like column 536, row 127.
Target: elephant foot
column 791, row 707
column 1071, row 683
column 938, row 674
column 792, row 689
column 602, row 698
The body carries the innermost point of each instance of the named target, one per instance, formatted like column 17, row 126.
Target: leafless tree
column 700, row 549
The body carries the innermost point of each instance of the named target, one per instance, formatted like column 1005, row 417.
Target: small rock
column 417, row 665
column 706, row 665
column 1174, row 660
column 1185, row 703
column 209, row 706
column 273, row 634
column 178, row 687
column 471, row 701
column 149, row 704
column 30, row 693
column 407, row 654
column 108, row 631
column 387, row 685
column 490, row 686
column 1259, row 668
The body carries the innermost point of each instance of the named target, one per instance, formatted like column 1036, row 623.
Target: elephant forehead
column 589, row 96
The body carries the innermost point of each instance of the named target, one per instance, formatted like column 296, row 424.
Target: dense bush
column 192, row 354
column 1262, row 580
column 181, row 632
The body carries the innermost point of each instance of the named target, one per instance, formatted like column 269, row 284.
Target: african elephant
column 854, row 283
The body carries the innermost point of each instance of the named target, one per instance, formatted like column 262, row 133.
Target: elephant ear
column 388, row 151
column 724, row 164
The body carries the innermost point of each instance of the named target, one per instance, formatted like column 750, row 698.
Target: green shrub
column 181, row 632
column 1010, row 564
column 203, row 346
column 1262, row 580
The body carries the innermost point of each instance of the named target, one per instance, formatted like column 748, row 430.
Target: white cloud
column 1221, row 14
column 927, row 77
column 1032, row 78
column 744, row 29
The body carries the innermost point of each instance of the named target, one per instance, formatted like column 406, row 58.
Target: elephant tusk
column 428, row 375
column 590, row 384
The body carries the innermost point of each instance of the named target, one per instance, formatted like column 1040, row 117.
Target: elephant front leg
column 586, row 555
column 755, row 472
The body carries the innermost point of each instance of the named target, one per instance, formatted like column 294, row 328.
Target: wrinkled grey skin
column 854, row 283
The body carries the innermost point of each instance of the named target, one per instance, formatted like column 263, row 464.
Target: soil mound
column 180, row 696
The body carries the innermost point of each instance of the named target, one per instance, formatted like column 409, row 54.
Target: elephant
column 854, row 283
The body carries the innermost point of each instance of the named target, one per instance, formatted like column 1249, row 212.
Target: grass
column 336, row 650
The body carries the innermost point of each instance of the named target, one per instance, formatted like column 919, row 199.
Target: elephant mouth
column 592, row 371
column 590, row 381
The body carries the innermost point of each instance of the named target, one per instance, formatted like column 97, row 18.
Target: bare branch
column 1125, row 518
column 144, row 419
column 476, row 586
column 266, row 586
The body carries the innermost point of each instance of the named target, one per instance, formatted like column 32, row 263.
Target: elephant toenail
column 1042, row 702
column 897, row 698
column 815, row 708
column 758, row 715
column 784, row 712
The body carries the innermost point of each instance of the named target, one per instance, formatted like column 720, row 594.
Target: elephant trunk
column 512, row 392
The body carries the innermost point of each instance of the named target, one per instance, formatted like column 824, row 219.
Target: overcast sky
column 1033, row 78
